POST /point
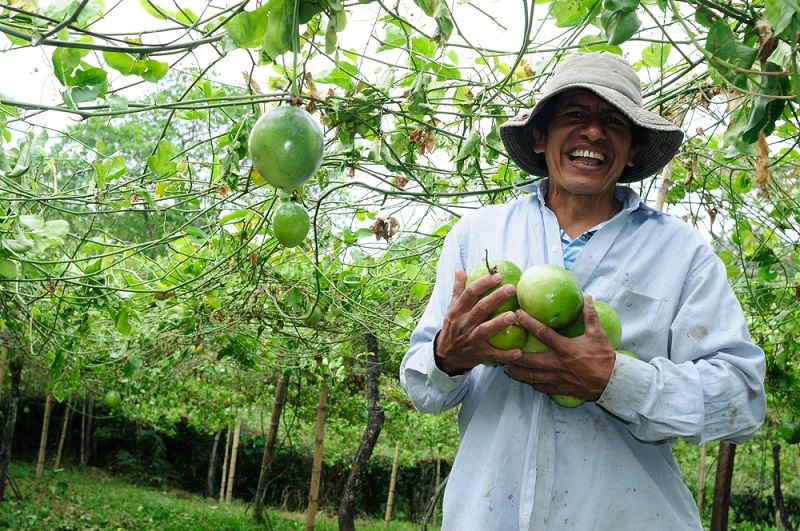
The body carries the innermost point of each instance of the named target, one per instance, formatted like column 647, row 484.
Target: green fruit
column 290, row 224
column 628, row 353
column 511, row 337
column 609, row 320
column 286, row 146
column 567, row 401
column 550, row 294
column 314, row 317
column 510, row 273
column 790, row 432
column 112, row 399
column 534, row 344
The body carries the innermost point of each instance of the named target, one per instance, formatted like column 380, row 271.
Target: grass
column 91, row 499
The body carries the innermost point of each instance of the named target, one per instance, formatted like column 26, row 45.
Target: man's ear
column 539, row 141
column 631, row 155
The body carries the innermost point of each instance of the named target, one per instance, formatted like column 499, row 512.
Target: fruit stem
column 491, row 270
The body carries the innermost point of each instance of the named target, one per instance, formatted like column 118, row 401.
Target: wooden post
column 392, row 482
column 438, row 478
column 316, row 467
column 701, row 479
column 223, row 481
column 63, row 434
column 722, row 487
column 232, row 466
column 269, row 446
column 43, row 439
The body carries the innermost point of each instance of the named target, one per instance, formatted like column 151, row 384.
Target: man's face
column 587, row 144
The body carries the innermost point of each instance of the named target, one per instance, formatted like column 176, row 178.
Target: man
column 525, row 462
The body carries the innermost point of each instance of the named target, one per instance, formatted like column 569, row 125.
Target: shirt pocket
column 639, row 315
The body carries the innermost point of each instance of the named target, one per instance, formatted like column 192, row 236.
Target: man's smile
column 587, row 157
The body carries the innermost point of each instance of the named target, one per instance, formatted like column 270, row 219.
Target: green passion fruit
column 291, row 224
column 286, row 146
column 609, row 320
column 550, row 294
column 113, row 399
column 510, row 273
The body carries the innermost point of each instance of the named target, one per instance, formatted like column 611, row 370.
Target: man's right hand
column 463, row 341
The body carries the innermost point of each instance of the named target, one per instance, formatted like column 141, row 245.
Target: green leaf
column 8, row 268
column 280, row 29
column 468, row 147
column 780, row 13
column 723, row 44
column 124, row 63
column 233, row 216
column 423, row 46
column 620, row 25
column 427, row 6
column 122, row 324
column 626, row 6
column 444, row 22
column 155, row 70
column 247, row 29
column 394, row 38
column 656, row 54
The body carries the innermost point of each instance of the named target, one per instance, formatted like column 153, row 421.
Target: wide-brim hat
column 612, row 78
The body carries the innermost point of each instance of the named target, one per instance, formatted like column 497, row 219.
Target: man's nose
column 593, row 128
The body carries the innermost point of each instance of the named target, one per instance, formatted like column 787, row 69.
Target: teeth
column 585, row 153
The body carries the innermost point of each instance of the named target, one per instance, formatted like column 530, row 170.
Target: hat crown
column 585, row 70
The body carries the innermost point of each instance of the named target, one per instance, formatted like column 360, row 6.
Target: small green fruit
column 511, row 337
column 609, row 320
column 790, row 432
column 290, row 224
column 510, row 273
column 567, row 401
column 113, row 399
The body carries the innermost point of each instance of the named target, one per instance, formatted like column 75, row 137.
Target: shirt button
column 554, row 248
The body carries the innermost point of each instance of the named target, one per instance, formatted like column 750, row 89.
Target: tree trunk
column 63, row 434
column 83, row 434
column 15, row 371
column 232, row 467
column 224, row 474
column 88, row 443
column 392, row 482
column 269, row 447
column 375, row 418
column 316, row 467
column 43, row 440
column 776, row 485
column 722, row 487
column 212, row 467
column 3, row 359
column 701, row 479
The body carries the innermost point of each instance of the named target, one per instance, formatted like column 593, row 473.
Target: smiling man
column 525, row 462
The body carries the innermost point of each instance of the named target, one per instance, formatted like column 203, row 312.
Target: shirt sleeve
column 430, row 389
column 711, row 384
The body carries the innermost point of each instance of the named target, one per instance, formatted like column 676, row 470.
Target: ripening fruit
column 609, row 320
column 550, row 294
column 112, row 399
column 291, row 224
column 286, row 146
column 510, row 273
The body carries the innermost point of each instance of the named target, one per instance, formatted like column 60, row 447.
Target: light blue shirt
column 527, row 463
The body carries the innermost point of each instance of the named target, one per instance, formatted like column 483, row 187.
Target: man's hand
column 462, row 342
column 579, row 367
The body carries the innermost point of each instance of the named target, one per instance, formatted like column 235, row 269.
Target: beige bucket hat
column 612, row 78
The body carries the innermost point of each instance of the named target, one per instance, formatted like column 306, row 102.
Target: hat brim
column 657, row 143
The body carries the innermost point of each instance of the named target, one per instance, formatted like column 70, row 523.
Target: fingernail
column 497, row 277
column 509, row 289
column 509, row 317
